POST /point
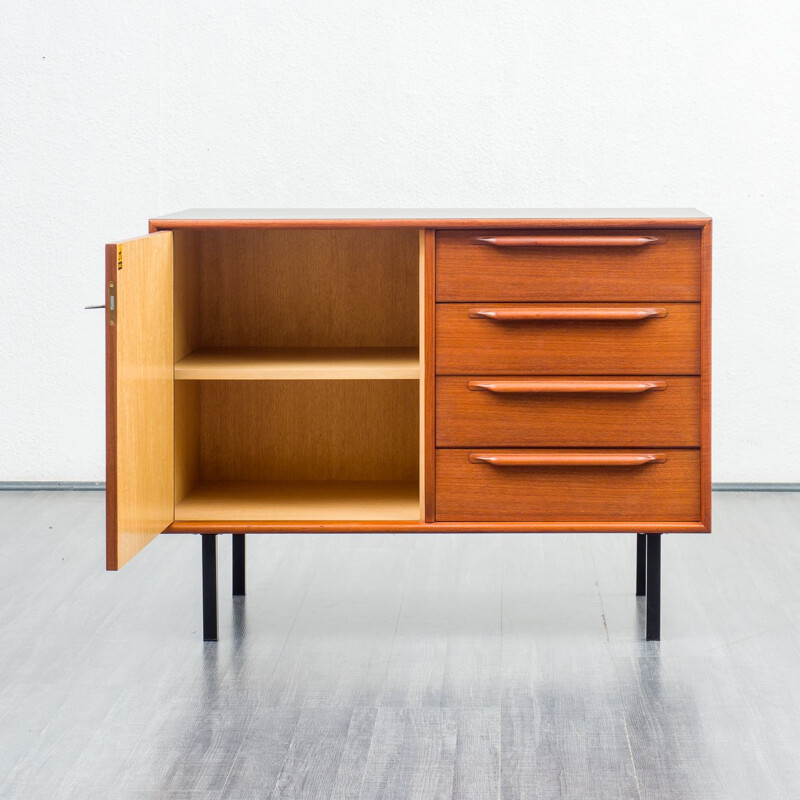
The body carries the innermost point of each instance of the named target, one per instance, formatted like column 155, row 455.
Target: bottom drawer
column 630, row 485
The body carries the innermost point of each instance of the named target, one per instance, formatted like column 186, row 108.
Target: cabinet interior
column 297, row 374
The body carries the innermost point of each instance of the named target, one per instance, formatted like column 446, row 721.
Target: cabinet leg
column 653, row 625
column 238, row 564
column 210, row 612
column 641, row 564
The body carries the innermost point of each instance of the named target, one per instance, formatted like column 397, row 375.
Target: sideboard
column 409, row 371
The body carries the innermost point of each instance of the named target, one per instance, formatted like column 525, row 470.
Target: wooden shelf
column 299, row 363
column 300, row 500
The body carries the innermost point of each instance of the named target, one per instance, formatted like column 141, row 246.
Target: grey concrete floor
column 405, row 666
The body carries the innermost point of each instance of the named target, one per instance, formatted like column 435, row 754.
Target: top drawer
column 563, row 265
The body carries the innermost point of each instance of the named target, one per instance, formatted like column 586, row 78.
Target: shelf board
column 300, row 500
column 299, row 363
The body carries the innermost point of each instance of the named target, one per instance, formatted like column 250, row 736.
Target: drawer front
column 618, row 486
column 601, row 339
column 654, row 411
column 592, row 265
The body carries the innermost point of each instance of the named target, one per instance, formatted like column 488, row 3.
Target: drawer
column 581, row 486
column 509, row 265
column 654, row 411
column 568, row 339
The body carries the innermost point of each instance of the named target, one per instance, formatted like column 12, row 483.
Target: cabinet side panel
column 705, row 379
column 186, row 292
column 187, row 437
column 187, row 338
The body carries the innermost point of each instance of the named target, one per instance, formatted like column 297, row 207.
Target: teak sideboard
column 405, row 371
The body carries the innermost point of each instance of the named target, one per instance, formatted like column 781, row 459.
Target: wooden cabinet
column 408, row 371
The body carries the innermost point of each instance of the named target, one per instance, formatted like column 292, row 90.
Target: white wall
column 113, row 112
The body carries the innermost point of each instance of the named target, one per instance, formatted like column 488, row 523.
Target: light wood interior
column 299, row 363
column 297, row 375
column 141, row 467
column 300, row 500
column 302, row 430
column 296, row 288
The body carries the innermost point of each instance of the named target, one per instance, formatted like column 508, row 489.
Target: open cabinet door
column 139, row 394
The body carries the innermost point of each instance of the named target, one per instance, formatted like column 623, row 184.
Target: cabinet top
column 420, row 218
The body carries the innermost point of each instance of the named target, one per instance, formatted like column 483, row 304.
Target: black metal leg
column 653, row 628
column 641, row 564
column 210, row 612
column 238, row 564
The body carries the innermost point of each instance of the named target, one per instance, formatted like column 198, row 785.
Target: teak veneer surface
column 427, row 218
column 469, row 270
column 668, row 417
column 468, row 491
column 668, row 345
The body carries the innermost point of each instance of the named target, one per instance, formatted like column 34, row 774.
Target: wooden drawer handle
column 548, row 314
column 568, row 241
column 567, row 459
column 567, row 387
